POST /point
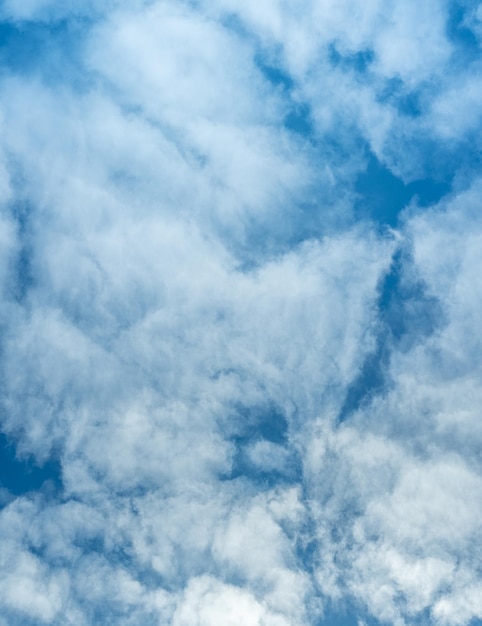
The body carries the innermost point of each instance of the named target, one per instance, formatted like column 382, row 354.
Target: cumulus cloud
column 263, row 403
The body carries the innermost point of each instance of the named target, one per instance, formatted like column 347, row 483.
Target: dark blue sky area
column 382, row 196
column 346, row 616
column 20, row 476
column 45, row 50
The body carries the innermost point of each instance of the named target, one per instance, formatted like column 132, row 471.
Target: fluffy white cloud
column 397, row 489
column 188, row 305
column 209, row 603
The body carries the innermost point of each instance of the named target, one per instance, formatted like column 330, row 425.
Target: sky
column 240, row 338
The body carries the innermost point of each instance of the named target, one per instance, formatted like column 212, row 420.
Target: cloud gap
column 24, row 475
column 407, row 315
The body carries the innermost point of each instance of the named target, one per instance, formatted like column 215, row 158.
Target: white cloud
column 401, row 481
column 194, row 277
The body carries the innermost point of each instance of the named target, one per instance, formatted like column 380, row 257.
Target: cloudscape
column 240, row 323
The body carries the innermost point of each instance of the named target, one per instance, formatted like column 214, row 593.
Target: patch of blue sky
column 265, row 422
column 266, row 466
column 298, row 118
column 13, row 618
column 276, row 75
column 408, row 102
column 261, row 448
column 346, row 616
column 407, row 315
column 382, row 196
column 21, row 475
column 352, row 615
column 460, row 33
column 44, row 50
column 23, row 277
column 391, row 90
column 358, row 62
column 105, row 612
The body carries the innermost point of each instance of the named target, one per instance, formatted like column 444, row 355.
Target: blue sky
column 240, row 340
